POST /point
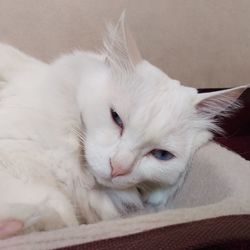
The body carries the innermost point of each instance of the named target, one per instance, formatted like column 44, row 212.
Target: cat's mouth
column 117, row 182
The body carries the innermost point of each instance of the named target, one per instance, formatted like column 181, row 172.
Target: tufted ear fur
column 120, row 48
column 219, row 102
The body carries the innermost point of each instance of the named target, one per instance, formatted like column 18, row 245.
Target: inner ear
column 120, row 47
column 218, row 102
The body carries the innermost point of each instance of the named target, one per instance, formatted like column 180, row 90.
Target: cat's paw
column 39, row 217
column 58, row 212
column 44, row 219
column 95, row 205
column 103, row 206
column 10, row 228
column 52, row 210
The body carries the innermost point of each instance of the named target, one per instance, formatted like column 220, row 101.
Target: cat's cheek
column 100, row 170
column 175, row 171
column 162, row 172
column 98, row 164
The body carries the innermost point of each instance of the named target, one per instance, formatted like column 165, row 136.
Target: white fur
column 57, row 136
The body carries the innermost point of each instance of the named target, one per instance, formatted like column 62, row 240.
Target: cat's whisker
column 80, row 135
column 78, row 131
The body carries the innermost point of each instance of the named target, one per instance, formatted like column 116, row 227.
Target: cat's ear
column 219, row 102
column 120, row 48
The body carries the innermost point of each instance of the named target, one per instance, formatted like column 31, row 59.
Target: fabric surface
column 239, row 144
column 201, row 43
column 229, row 233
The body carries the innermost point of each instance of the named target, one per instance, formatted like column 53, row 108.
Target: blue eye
column 116, row 118
column 162, row 155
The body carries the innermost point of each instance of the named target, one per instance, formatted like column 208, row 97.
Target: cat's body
column 40, row 146
column 54, row 115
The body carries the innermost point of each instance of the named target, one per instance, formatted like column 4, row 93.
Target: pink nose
column 118, row 169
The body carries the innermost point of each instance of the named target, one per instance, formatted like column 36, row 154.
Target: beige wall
column 200, row 42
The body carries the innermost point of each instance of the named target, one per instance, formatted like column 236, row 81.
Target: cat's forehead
column 153, row 104
column 163, row 112
column 150, row 90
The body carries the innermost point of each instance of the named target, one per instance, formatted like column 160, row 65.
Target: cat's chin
column 112, row 183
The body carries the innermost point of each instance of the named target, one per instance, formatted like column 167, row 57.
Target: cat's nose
column 118, row 169
column 121, row 167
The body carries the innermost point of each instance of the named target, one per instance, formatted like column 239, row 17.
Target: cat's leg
column 103, row 205
column 33, row 217
column 54, row 213
column 95, row 205
column 39, row 206
column 13, row 62
column 127, row 201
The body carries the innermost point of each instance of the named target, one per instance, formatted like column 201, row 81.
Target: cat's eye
column 116, row 118
column 162, row 155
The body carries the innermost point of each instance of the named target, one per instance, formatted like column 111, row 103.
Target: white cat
column 95, row 136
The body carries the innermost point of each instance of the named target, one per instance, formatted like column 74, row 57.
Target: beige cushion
column 202, row 43
column 217, row 185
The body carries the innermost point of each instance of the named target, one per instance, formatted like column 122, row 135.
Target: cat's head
column 140, row 124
